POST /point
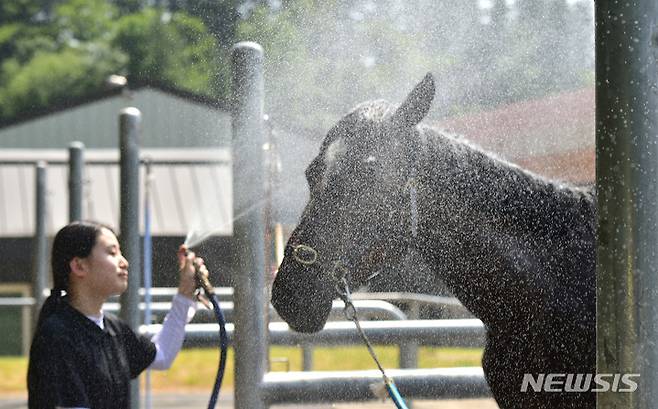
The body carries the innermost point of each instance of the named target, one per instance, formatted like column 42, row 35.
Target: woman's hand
column 187, row 264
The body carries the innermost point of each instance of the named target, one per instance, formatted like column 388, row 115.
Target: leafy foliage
column 67, row 49
column 18, row 10
column 219, row 16
column 49, row 77
column 170, row 47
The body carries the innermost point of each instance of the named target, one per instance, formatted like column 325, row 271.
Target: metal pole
column 129, row 129
column 409, row 349
column 40, row 263
column 626, row 171
column 76, row 181
column 350, row 386
column 307, row 357
column 148, row 271
column 248, row 245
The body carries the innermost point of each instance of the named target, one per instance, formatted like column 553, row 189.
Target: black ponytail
column 49, row 305
column 76, row 239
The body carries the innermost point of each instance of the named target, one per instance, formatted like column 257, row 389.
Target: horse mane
column 535, row 197
column 375, row 111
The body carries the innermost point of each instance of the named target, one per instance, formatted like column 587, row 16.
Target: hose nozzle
column 202, row 281
column 205, row 290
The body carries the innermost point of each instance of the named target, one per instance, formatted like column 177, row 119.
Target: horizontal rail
column 404, row 297
column 17, row 301
column 438, row 300
column 98, row 162
column 165, row 292
column 453, row 332
column 349, row 386
column 367, row 309
column 451, row 307
column 169, row 292
column 467, row 332
column 385, row 296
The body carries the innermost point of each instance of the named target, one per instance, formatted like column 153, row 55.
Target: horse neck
column 483, row 221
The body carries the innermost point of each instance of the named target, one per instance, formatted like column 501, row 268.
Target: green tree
column 61, row 56
column 18, row 11
column 59, row 50
column 171, row 47
column 219, row 16
column 129, row 6
column 84, row 20
column 49, row 77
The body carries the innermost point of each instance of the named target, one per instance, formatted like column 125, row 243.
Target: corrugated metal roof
column 184, row 195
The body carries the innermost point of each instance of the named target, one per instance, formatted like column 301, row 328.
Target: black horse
column 517, row 250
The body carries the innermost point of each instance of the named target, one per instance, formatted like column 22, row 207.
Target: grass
column 195, row 369
column 13, row 372
column 11, row 324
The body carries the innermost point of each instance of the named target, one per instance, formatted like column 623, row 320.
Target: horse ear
column 417, row 104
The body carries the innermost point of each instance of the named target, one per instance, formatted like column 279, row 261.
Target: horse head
column 360, row 212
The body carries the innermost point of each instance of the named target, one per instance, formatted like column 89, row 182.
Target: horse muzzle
column 301, row 298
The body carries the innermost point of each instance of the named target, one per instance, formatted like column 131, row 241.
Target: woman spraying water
column 82, row 357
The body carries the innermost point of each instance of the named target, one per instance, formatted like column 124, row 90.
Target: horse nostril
column 305, row 254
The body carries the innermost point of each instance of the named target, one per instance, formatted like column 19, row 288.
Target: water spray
column 196, row 237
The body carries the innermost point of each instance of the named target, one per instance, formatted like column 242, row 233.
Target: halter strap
column 412, row 185
column 413, row 202
column 307, row 255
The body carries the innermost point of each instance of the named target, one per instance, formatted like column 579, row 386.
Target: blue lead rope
column 350, row 314
column 395, row 394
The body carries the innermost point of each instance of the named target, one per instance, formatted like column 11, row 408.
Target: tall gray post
column 76, row 180
column 248, row 247
column 307, row 357
column 40, row 253
column 409, row 349
column 626, row 172
column 129, row 129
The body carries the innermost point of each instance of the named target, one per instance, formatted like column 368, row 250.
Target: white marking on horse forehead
column 334, row 150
